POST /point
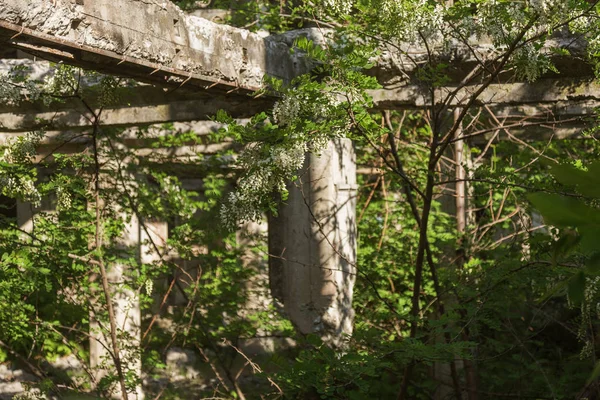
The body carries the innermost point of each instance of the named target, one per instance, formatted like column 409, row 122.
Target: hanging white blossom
column 22, row 149
column 337, row 7
column 63, row 199
column 286, row 110
column 21, row 187
column 289, row 159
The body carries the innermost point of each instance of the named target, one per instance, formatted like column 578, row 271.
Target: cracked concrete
column 157, row 32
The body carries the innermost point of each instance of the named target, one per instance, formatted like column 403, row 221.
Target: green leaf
column 563, row 211
column 593, row 264
column 44, row 270
column 566, row 244
column 586, row 182
column 595, row 374
column 589, row 238
column 577, row 287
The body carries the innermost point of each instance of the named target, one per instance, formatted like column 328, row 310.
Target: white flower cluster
column 289, row 159
column 13, row 90
column 18, row 151
column 286, row 110
column 545, row 8
column 337, row 7
column 409, row 19
column 241, row 207
column 177, row 198
column 295, row 105
column 22, row 148
column 492, row 16
column 270, row 165
column 530, row 63
column 10, row 94
column 21, row 187
column 63, row 199
column 318, row 141
column 149, row 285
column 592, row 284
column 61, row 82
column 266, row 173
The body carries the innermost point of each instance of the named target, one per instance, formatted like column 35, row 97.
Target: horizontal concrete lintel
column 580, row 93
column 185, row 110
column 149, row 41
column 193, row 110
column 149, row 104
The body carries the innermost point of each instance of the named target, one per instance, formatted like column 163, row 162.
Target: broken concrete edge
column 397, row 62
column 152, row 42
column 113, row 63
column 159, row 43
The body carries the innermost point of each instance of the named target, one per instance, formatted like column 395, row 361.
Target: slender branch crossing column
column 312, row 245
column 127, row 315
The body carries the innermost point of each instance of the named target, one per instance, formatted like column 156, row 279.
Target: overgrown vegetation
column 463, row 290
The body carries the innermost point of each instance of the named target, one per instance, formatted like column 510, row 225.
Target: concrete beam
column 564, row 95
column 136, row 104
column 78, row 118
column 555, row 98
column 398, row 62
column 147, row 104
column 158, row 43
column 150, row 41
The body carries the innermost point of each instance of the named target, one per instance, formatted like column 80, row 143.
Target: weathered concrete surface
column 397, row 62
column 77, row 117
column 312, row 245
column 152, row 41
column 135, row 104
column 566, row 95
column 126, row 305
column 148, row 104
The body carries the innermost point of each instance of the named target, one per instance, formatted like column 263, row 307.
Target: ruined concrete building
column 190, row 68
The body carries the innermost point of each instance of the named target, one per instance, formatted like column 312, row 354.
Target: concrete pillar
column 153, row 238
column 312, row 245
column 127, row 315
column 25, row 213
column 153, row 242
column 250, row 235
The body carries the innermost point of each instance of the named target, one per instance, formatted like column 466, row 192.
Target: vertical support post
column 257, row 287
column 25, row 216
column 461, row 226
column 127, row 315
column 461, row 184
column 312, row 245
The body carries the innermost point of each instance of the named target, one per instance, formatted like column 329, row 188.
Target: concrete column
column 312, row 245
column 127, row 315
column 153, row 242
column 153, row 238
column 25, row 213
column 258, row 298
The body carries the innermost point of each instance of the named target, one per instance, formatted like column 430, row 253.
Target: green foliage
column 491, row 294
column 578, row 213
column 49, row 268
